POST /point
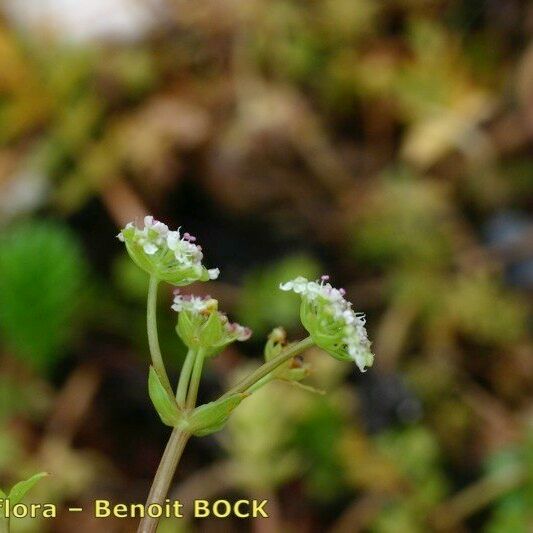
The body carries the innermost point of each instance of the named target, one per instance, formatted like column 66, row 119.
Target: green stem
column 153, row 341
column 163, row 478
column 260, row 383
column 271, row 365
column 195, row 379
column 185, row 376
column 178, row 438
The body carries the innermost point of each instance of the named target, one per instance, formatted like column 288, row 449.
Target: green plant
column 14, row 497
column 175, row 258
column 42, row 274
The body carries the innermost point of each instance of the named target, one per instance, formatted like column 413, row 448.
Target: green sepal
column 164, row 403
column 212, row 331
column 197, row 331
column 325, row 336
column 295, row 374
column 163, row 266
column 17, row 493
column 205, row 330
column 212, row 416
column 186, row 329
column 204, row 276
column 277, row 340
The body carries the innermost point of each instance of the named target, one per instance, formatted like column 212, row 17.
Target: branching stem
column 186, row 395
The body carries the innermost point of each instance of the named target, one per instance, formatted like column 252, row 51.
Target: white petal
column 150, row 248
column 148, row 221
column 286, row 286
column 173, row 239
column 213, row 273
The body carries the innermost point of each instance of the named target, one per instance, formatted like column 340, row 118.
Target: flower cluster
column 331, row 321
column 193, row 304
column 166, row 254
column 202, row 325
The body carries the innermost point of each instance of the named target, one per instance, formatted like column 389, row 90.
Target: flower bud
column 202, row 325
column 331, row 322
column 166, row 254
column 292, row 370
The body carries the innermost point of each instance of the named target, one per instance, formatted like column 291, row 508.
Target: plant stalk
column 153, row 340
column 179, row 438
column 163, row 478
column 271, row 365
column 176, row 444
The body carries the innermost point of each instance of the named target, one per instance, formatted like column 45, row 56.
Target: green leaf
column 3, row 495
column 212, row 416
column 20, row 490
column 164, row 403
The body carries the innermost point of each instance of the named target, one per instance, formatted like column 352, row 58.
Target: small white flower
column 191, row 303
column 128, row 227
column 166, row 254
column 213, row 273
column 241, row 333
column 159, row 227
column 173, row 239
column 152, row 236
column 297, row 285
column 184, row 250
column 331, row 321
column 150, row 248
column 201, row 324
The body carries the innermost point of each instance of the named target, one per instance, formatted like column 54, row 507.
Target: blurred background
column 385, row 142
